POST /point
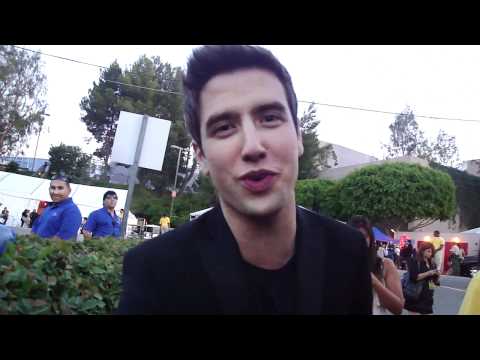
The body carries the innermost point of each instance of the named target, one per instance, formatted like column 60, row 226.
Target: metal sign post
column 174, row 191
column 132, row 174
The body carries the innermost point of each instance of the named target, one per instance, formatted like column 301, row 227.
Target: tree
column 394, row 195
column 12, row 167
column 315, row 194
column 69, row 160
column 314, row 157
column 164, row 104
column 444, row 150
column 22, row 88
column 407, row 139
column 102, row 109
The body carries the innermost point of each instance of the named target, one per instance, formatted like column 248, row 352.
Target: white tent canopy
column 20, row 192
column 472, row 231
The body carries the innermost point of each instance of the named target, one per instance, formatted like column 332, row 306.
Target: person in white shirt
column 455, row 260
column 397, row 256
column 380, row 251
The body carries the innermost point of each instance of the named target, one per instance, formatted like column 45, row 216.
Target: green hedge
column 395, row 194
column 39, row 276
column 315, row 194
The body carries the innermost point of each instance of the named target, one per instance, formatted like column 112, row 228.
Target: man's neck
column 111, row 211
column 264, row 242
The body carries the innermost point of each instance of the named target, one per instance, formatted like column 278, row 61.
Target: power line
column 302, row 101
column 102, row 67
column 387, row 112
column 60, row 57
column 144, row 87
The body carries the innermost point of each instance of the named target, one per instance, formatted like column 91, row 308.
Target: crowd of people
column 61, row 217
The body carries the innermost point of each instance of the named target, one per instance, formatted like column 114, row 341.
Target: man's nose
column 253, row 147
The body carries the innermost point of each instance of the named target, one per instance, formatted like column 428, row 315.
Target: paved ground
column 449, row 296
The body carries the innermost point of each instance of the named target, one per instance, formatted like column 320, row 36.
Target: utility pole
column 132, row 174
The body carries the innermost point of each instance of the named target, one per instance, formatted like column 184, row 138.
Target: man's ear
column 201, row 159
column 300, row 142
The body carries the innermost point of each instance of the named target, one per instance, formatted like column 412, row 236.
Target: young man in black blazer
column 256, row 252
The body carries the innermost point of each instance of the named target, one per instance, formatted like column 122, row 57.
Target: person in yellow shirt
column 164, row 223
column 438, row 244
column 471, row 300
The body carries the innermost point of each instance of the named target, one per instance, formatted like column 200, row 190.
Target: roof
column 472, row 231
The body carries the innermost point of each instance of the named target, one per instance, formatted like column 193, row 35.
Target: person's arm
column 390, row 294
column 426, row 275
column 71, row 221
column 89, row 226
column 440, row 247
column 362, row 298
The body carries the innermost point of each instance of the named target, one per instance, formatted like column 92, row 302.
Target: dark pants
column 455, row 264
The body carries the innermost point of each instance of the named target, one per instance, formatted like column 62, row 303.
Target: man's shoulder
column 328, row 223
column 338, row 234
column 96, row 213
column 72, row 207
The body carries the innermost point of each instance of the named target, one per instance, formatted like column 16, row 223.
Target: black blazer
column 198, row 269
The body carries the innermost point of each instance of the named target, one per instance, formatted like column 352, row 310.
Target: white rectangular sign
column 154, row 143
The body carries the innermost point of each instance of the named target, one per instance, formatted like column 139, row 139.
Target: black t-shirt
column 273, row 291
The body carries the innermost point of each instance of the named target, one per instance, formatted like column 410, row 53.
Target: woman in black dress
column 422, row 269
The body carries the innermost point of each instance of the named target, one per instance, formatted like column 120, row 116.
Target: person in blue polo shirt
column 104, row 222
column 61, row 219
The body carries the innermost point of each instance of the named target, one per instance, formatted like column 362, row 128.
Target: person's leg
column 456, row 266
column 438, row 260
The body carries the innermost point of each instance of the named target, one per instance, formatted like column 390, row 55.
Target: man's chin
column 257, row 210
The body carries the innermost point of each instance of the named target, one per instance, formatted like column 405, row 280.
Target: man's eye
column 223, row 129
column 271, row 119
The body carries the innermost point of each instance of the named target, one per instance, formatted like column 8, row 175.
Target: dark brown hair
column 212, row 60
column 421, row 250
column 376, row 263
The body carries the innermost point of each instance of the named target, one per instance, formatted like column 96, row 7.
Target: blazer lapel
column 223, row 263
column 311, row 264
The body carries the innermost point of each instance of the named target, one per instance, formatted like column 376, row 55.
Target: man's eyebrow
column 228, row 115
column 277, row 106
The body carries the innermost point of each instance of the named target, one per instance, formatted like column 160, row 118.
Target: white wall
column 340, row 172
column 349, row 157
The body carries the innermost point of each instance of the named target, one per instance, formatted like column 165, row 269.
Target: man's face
column 250, row 147
column 59, row 190
column 110, row 201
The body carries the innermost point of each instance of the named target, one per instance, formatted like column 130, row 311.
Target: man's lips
column 258, row 181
